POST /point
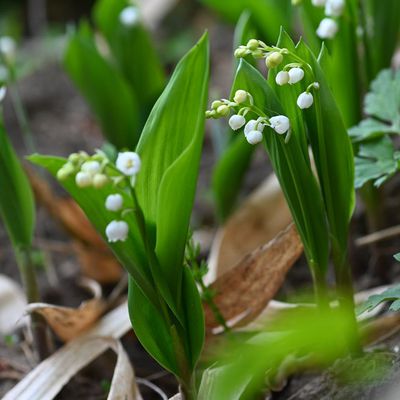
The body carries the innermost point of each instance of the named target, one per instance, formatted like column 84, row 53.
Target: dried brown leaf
column 242, row 293
column 68, row 322
column 261, row 217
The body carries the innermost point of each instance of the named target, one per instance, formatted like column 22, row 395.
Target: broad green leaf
column 107, row 93
column 17, row 209
column 376, row 161
column 332, row 152
column 170, row 148
column 134, row 52
column 390, row 295
column 244, row 31
column 369, row 129
column 292, row 166
column 383, row 100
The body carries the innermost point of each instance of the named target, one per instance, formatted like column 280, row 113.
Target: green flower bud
column 223, row 110
column 273, row 60
column 258, row 54
column 74, row 158
column 65, row 171
column 241, row 52
column 240, row 96
column 100, row 180
column 253, row 44
column 215, row 104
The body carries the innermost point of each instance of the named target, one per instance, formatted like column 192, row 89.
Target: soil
column 62, row 123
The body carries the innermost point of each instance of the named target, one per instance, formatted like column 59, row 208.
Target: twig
column 378, row 236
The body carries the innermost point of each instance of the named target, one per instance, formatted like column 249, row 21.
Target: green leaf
column 107, row 93
column 383, row 100
column 134, row 52
column 17, row 209
column 369, row 129
column 170, row 148
column 376, row 161
column 392, row 294
column 332, row 152
column 292, row 167
column 397, row 257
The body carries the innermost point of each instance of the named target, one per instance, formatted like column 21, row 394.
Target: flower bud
column 295, row 75
column 253, row 44
column 83, row 179
column 334, row 8
column 254, row 137
column 240, row 96
column 236, row 122
column 7, row 48
column 282, row 78
column 215, row 104
column 117, row 231
column 65, row 171
column 327, row 28
column 259, row 54
column 91, row 167
column 305, row 100
column 318, row 3
column 100, row 180
column 241, row 52
column 130, row 16
column 114, row 202
column 273, row 60
column 280, row 124
column 223, row 110
column 74, row 158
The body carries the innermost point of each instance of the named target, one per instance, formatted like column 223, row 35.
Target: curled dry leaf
column 46, row 380
column 50, row 376
column 243, row 292
column 261, row 217
column 12, row 305
column 95, row 258
column 68, row 322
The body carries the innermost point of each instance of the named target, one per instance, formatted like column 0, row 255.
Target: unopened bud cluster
column 97, row 171
column 241, row 105
column 258, row 49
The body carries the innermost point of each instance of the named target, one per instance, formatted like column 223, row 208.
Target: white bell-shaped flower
column 253, row 125
column 334, row 8
column 114, row 202
column 83, row 179
column 129, row 16
column 254, row 137
column 295, row 75
column 305, row 100
column 327, row 28
column 282, row 78
column 237, row 121
column 117, row 231
column 128, row 163
column 7, row 47
column 280, row 124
